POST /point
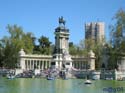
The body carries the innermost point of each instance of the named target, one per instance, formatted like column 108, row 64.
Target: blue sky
column 41, row 16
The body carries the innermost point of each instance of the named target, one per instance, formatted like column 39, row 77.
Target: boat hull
column 87, row 82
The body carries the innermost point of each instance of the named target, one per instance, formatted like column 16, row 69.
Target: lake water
column 38, row 85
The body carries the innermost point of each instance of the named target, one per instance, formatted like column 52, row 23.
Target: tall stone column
column 61, row 54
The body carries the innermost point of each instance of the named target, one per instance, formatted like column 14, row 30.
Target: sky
column 41, row 16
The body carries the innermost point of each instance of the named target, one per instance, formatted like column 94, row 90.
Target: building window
column 67, row 63
column 53, row 63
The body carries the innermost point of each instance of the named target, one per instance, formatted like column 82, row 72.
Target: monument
column 61, row 57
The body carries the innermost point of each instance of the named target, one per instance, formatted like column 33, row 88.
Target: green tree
column 117, row 38
column 36, row 47
column 72, row 49
column 89, row 44
column 81, row 50
column 44, row 45
column 28, row 42
column 12, row 45
column 1, row 54
column 97, row 48
column 118, row 31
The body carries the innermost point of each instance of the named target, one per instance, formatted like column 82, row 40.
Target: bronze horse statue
column 62, row 21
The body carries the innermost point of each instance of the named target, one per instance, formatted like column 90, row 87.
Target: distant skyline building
column 95, row 31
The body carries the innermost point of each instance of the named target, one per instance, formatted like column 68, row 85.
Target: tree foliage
column 12, row 44
column 72, row 49
column 44, row 46
column 117, row 38
column 97, row 48
column 89, row 44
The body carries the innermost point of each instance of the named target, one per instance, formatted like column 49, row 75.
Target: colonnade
column 37, row 64
column 45, row 64
column 42, row 62
column 80, row 64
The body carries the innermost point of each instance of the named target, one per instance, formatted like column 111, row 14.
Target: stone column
column 49, row 63
column 32, row 64
column 22, row 59
column 25, row 64
column 77, row 64
column 39, row 64
column 28, row 63
column 45, row 64
column 42, row 64
column 91, row 60
column 74, row 64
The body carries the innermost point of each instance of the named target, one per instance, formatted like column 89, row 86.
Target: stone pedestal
column 37, row 71
column 18, row 71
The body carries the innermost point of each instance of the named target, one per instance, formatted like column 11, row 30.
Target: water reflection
column 55, row 86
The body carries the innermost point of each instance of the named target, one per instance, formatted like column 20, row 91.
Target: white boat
column 9, row 76
column 50, row 78
column 88, row 82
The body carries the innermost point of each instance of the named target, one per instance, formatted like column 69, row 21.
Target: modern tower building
column 94, row 31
